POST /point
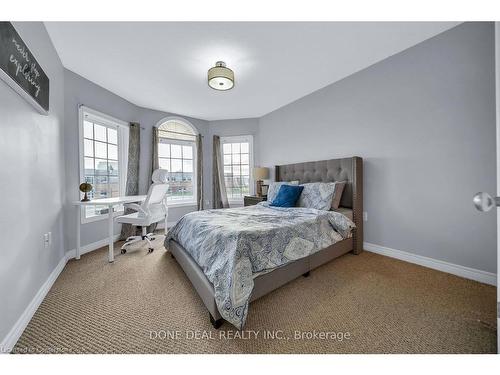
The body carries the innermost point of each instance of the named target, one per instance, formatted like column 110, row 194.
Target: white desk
column 110, row 203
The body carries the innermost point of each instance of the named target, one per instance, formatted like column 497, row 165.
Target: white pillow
column 274, row 187
column 318, row 195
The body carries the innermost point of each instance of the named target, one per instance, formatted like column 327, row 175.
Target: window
column 103, row 141
column 237, row 154
column 177, row 154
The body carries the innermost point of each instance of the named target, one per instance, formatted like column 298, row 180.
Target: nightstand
column 250, row 200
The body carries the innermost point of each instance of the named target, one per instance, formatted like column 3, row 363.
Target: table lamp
column 260, row 173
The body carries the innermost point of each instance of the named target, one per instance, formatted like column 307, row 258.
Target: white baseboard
column 70, row 254
column 455, row 269
column 10, row 340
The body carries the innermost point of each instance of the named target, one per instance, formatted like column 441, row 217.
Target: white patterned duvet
column 233, row 245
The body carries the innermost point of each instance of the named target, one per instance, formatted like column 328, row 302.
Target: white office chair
column 152, row 210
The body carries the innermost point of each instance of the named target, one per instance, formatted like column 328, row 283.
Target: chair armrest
column 135, row 207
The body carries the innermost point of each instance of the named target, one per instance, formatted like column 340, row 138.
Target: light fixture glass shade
column 220, row 77
column 261, row 173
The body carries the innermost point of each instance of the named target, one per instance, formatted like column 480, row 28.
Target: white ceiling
column 163, row 65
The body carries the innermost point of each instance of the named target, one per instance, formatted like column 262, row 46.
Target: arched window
column 177, row 154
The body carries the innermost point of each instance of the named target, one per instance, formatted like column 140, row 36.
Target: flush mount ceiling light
column 220, row 77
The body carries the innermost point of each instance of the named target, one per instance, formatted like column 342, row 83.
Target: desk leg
column 111, row 247
column 78, row 230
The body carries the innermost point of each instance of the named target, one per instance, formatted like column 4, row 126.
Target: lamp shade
column 261, row 173
column 220, row 77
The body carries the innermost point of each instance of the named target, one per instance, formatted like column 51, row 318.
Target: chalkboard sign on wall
column 20, row 70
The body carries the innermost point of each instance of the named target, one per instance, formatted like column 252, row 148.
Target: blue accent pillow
column 287, row 196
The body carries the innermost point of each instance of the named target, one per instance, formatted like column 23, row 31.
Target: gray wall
column 32, row 165
column 79, row 90
column 424, row 122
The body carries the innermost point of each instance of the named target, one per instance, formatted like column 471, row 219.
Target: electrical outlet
column 365, row 216
column 46, row 240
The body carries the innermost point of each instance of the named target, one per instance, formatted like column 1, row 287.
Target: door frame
column 497, row 100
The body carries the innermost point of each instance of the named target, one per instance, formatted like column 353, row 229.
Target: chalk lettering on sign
column 20, row 69
column 25, row 70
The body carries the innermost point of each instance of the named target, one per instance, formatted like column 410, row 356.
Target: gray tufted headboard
column 346, row 169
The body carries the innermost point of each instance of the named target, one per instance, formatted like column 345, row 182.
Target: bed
column 235, row 256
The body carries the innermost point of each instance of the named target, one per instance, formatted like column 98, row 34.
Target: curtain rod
column 143, row 128
column 171, row 131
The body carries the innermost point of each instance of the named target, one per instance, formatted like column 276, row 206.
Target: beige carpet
column 384, row 305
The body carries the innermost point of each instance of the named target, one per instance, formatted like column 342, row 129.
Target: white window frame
column 183, row 202
column 238, row 139
column 123, row 138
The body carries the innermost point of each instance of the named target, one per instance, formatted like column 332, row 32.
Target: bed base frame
column 263, row 284
column 347, row 169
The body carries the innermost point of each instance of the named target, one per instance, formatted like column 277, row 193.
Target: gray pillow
column 274, row 187
column 339, row 189
column 318, row 195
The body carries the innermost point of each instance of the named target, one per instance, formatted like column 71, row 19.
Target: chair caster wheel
column 123, row 251
column 150, row 250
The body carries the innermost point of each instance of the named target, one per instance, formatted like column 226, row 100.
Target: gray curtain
column 199, row 168
column 154, row 166
column 132, row 187
column 218, row 183
column 154, row 161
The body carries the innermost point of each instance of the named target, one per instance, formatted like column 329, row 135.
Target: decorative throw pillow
column 274, row 187
column 287, row 196
column 318, row 195
column 337, row 195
